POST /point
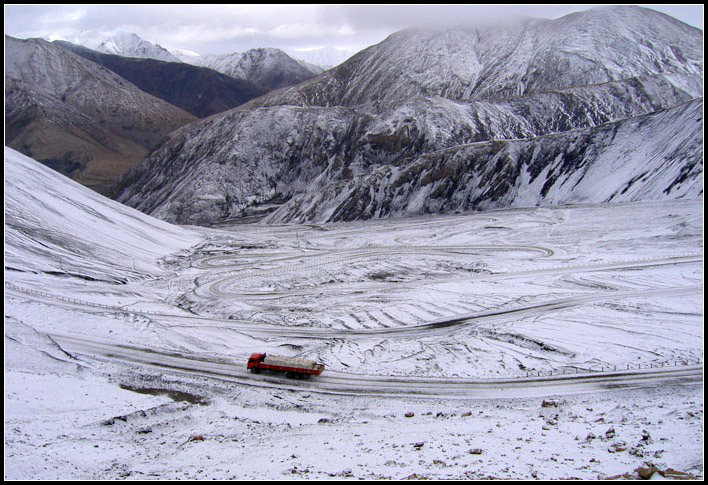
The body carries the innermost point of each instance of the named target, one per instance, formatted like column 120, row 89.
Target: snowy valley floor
column 529, row 343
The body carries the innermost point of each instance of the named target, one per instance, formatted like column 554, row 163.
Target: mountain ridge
column 200, row 91
column 268, row 67
column 520, row 58
column 72, row 113
column 397, row 102
column 344, row 142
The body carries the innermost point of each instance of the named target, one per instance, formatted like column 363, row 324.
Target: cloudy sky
column 220, row 29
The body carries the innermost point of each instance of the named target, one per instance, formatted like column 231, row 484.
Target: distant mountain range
column 197, row 90
column 597, row 106
column 128, row 44
column 602, row 105
column 78, row 117
column 269, row 68
column 66, row 104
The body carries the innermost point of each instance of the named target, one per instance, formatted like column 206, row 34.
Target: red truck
column 293, row 367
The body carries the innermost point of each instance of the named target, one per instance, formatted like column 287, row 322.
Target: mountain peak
column 265, row 66
column 592, row 107
column 128, row 44
column 508, row 59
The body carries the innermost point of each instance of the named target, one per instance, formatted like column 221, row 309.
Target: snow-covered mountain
column 78, row 117
column 326, row 157
column 185, row 55
column 651, row 157
column 87, row 38
column 267, row 67
column 597, row 106
column 197, row 90
column 127, row 44
column 509, row 59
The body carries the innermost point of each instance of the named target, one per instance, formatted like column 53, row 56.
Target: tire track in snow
column 214, row 285
column 215, row 288
column 255, row 329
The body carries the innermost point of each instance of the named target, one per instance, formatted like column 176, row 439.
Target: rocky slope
column 651, row 157
column 200, row 91
column 78, row 117
column 441, row 120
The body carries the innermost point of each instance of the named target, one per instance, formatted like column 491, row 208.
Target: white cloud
column 228, row 28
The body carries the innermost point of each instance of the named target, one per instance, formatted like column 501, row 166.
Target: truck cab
column 254, row 362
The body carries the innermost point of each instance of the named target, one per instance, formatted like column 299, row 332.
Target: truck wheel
column 256, row 371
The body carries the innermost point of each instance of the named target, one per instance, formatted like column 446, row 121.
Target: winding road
column 343, row 383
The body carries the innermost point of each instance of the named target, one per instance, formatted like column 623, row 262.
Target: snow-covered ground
column 529, row 343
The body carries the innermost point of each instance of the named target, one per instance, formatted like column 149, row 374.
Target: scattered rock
column 617, row 447
column 548, row 403
column 610, row 433
column 419, row 445
column 112, row 421
column 410, row 414
column 415, row 476
column 676, row 475
column 647, row 472
column 637, row 451
column 646, row 437
column 476, row 451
